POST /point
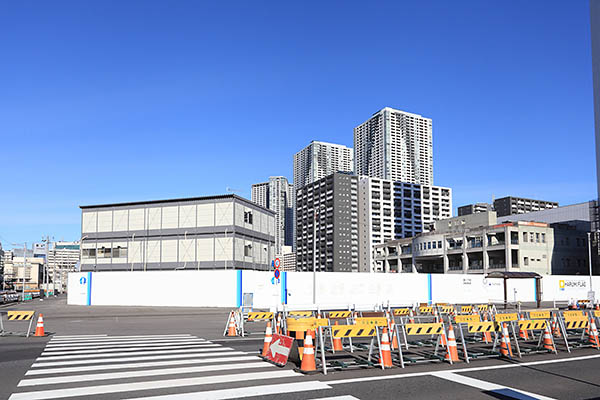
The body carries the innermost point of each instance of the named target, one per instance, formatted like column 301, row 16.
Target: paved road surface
column 179, row 353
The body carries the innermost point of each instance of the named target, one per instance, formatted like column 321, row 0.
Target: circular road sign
column 277, row 262
column 277, row 273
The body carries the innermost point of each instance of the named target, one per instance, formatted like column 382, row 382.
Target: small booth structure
column 519, row 275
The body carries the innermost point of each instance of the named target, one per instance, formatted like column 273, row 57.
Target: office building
column 316, row 161
column 16, row 267
column 327, row 210
column 63, row 257
column 518, row 205
column 395, row 145
column 287, row 259
column 212, row 232
column 580, row 215
column 277, row 195
column 474, row 208
column 393, row 210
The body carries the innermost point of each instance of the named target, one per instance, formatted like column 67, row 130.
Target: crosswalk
column 174, row 367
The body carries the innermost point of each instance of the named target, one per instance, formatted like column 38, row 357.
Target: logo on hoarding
column 82, row 280
column 571, row 284
column 466, row 281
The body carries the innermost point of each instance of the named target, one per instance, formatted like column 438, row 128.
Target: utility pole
column 591, row 292
column 24, row 268
column 47, row 265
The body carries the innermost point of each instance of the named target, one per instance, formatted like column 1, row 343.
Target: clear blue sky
column 109, row 101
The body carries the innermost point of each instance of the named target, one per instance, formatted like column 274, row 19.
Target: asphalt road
column 146, row 352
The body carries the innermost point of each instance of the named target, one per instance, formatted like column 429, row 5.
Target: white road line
column 77, row 336
column 460, row 370
column 248, row 391
column 158, row 347
column 343, row 397
column 145, row 358
column 145, row 373
column 88, row 368
column 118, row 339
column 162, row 384
column 117, row 344
column 141, row 353
column 483, row 385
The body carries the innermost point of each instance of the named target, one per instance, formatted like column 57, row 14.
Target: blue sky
column 111, row 101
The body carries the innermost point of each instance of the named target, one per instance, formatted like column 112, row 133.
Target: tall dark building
column 518, row 205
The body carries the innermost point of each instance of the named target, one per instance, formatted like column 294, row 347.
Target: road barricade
column 543, row 326
column 419, row 351
column 13, row 318
column 575, row 325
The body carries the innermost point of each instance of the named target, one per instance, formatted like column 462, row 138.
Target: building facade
column 395, row 145
column 518, row 205
column 212, row 232
column 278, row 195
column 393, row 210
column 474, row 208
column 63, row 257
column 287, row 259
column 328, row 211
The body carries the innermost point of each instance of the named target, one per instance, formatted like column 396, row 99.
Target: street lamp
column 591, row 292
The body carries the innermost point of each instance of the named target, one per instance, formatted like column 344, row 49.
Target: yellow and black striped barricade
column 575, row 325
column 349, row 332
column 481, row 350
column 466, row 309
column 13, row 317
column 300, row 314
column 414, row 351
column 532, row 325
column 461, row 322
column 445, row 309
column 471, row 330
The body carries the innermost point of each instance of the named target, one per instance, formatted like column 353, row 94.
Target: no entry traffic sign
column 279, row 350
column 276, row 274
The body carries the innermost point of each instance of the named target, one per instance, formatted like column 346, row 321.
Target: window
column 248, row 217
column 525, row 236
column 428, row 245
column 88, row 253
column 434, row 245
column 537, row 237
column 120, row 252
column 543, row 238
column 104, row 252
column 248, row 250
column 526, row 261
column 439, row 244
column 531, row 237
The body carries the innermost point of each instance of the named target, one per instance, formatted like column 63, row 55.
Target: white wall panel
column 204, row 247
column 187, row 216
column 239, row 214
column 169, row 251
column 187, row 250
column 206, row 215
column 152, row 251
column 170, row 217
column 136, row 219
column 134, row 252
column 224, row 213
column 239, row 249
column 104, row 221
column 153, row 215
column 223, row 249
column 120, row 218
column 89, row 221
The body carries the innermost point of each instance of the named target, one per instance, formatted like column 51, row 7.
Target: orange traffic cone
column 308, row 357
column 452, row 353
column 393, row 333
column 548, row 343
column 411, row 317
column 523, row 334
column 487, row 336
column 505, row 346
column 443, row 340
column 231, row 331
column 268, row 338
column 278, row 324
column 39, row 329
column 337, row 342
column 386, row 352
column 593, row 334
column 555, row 328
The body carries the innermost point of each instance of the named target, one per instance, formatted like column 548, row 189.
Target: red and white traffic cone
column 523, row 334
column 594, row 334
column 411, row 317
column 386, row 352
column 231, row 330
column 505, row 346
column 487, row 336
column 452, row 352
column 308, row 357
column 268, row 338
column 337, row 342
column 393, row 333
column 39, row 329
column 548, row 343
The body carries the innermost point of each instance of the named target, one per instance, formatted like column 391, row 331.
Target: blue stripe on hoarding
column 88, row 301
column 239, row 288
column 429, row 289
column 284, row 287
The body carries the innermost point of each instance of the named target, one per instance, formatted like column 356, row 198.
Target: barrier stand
column 297, row 327
column 336, row 316
column 511, row 319
column 545, row 339
column 347, row 360
column 418, row 329
column 256, row 316
column 570, row 323
column 17, row 316
column 475, row 328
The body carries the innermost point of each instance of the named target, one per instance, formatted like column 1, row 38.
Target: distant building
column 393, row 210
column 63, row 258
column 518, row 205
column 287, row 258
column 478, row 244
column 318, row 160
column 211, row 232
column 328, row 209
column 15, row 267
column 474, row 208
column 277, row 195
column 395, row 145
